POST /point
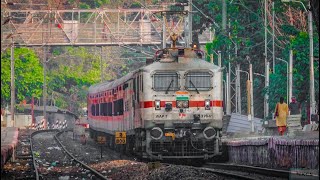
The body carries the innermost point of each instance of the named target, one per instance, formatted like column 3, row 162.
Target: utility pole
column 12, row 82
column 188, row 24
column 101, row 69
column 290, row 74
column 219, row 59
column 228, row 109
column 238, row 90
column 224, row 15
column 266, row 97
column 164, row 34
column 251, row 97
column 266, row 110
column 312, row 95
column 229, row 65
column 273, row 48
column 44, row 83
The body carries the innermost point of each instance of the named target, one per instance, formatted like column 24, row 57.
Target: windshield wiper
column 169, row 86
column 194, row 86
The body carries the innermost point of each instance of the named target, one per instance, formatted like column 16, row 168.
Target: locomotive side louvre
column 168, row 109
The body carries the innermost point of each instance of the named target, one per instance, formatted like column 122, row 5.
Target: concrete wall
column 21, row 120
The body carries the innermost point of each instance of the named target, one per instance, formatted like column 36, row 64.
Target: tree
column 315, row 12
column 71, row 72
column 28, row 75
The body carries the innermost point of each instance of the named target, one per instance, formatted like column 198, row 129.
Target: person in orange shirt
column 282, row 111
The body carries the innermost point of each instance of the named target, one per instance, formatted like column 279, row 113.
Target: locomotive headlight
column 207, row 104
column 209, row 132
column 185, row 104
column 179, row 104
column 157, row 104
column 156, row 133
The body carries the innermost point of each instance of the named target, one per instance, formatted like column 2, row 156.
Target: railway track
column 53, row 161
column 23, row 158
column 245, row 172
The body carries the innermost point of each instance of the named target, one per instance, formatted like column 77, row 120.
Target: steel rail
column 83, row 164
column 32, row 154
column 67, row 152
column 251, row 169
column 221, row 173
column 228, row 174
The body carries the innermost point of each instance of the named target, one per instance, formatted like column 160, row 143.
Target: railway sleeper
column 24, row 157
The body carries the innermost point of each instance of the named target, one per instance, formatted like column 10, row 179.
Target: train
column 171, row 108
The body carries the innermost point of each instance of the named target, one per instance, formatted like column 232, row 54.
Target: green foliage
column 92, row 4
column 70, row 77
column 28, row 75
column 135, row 5
column 246, row 32
column 84, row 6
column 300, row 73
column 289, row 29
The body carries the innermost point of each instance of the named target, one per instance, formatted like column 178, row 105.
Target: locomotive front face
column 182, row 108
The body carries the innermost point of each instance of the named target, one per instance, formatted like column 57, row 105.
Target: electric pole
column 266, row 96
column 251, row 97
column 12, row 82
column 188, row 24
column 312, row 95
column 224, row 15
column 44, row 83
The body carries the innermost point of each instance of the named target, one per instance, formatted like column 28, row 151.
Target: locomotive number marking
column 161, row 116
column 121, row 134
column 121, row 141
column 121, row 137
column 205, row 116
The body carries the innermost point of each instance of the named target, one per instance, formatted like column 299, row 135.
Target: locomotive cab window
column 166, row 81
column 198, row 81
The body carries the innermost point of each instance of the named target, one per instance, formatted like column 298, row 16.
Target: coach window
column 93, row 109
column 109, row 109
column 134, row 88
column 97, row 109
column 166, row 81
column 103, row 109
column 115, row 108
column 198, row 81
column 125, row 86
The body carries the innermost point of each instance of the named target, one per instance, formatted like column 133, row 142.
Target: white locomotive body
column 171, row 108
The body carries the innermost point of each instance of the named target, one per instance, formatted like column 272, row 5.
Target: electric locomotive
column 171, row 108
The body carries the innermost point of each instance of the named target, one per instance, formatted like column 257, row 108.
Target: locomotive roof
column 190, row 64
column 109, row 85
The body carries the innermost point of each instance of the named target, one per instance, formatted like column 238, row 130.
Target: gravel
column 177, row 172
column 57, row 165
column 122, row 167
column 52, row 162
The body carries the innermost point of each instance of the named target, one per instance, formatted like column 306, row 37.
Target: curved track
column 52, row 160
